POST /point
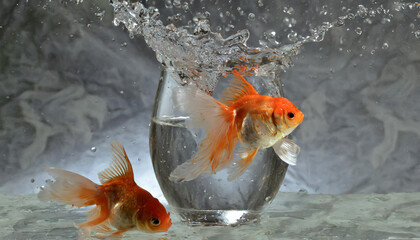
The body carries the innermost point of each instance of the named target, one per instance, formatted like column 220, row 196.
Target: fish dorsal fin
column 237, row 89
column 120, row 167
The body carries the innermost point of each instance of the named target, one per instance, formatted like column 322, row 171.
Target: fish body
column 256, row 121
column 121, row 205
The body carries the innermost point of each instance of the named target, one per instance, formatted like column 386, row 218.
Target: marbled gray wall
column 70, row 81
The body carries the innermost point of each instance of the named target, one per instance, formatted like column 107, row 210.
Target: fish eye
column 155, row 221
column 291, row 115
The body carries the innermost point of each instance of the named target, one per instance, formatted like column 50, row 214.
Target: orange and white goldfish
column 256, row 121
column 121, row 205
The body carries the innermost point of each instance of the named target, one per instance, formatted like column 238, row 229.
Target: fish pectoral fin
column 242, row 164
column 97, row 216
column 105, row 230
column 287, row 150
column 120, row 167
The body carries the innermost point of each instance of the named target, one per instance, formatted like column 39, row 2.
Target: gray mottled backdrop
column 71, row 82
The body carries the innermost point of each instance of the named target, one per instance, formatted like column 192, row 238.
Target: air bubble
column 251, row 16
column 358, row 30
column 93, row 149
column 417, row 34
column 385, row 46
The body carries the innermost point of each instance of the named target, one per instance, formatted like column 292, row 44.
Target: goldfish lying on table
column 121, row 205
column 256, row 121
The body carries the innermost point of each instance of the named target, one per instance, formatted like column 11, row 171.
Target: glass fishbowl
column 209, row 199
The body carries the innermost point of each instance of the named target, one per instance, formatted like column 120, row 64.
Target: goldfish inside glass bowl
column 224, row 193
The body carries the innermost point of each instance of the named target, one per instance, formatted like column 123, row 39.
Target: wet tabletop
column 290, row 216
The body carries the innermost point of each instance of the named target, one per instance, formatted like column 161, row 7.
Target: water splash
column 203, row 56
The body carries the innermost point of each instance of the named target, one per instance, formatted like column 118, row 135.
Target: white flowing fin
column 287, row 150
column 203, row 109
column 242, row 164
column 216, row 149
column 70, row 188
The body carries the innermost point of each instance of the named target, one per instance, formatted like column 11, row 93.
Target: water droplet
column 7, row 97
column 292, row 36
column 124, row 44
column 168, row 151
column 185, row 6
column 168, row 3
column 289, row 10
column 211, row 197
column 417, row 34
column 260, row 3
column 270, row 34
column 121, row 92
column 251, row 16
column 362, row 11
column 358, row 30
column 268, row 198
column 32, row 180
column 93, row 149
column 71, row 36
column 385, row 46
column 324, row 10
column 372, row 52
column 385, row 20
column 177, row 3
column 185, row 147
column 139, row 159
column 289, row 22
column 100, row 15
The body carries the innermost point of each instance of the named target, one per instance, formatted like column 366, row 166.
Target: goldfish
column 256, row 121
column 121, row 205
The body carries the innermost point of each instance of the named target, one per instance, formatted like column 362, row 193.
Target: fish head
column 152, row 217
column 286, row 115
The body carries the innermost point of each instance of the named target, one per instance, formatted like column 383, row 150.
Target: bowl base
column 193, row 217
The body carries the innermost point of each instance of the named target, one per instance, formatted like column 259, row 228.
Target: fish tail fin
column 70, row 188
column 74, row 189
column 242, row 165
column 216, row 150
